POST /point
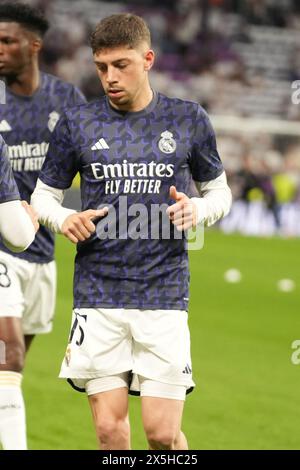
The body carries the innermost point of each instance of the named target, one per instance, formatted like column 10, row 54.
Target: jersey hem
column 178, row 306
column 27, row 257
column 12, row 197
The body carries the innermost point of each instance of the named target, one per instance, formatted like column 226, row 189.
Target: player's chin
column 8, row 72
column 5, row 70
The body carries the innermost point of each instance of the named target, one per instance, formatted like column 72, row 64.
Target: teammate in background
column 129, row 328
column 34, row 102
column 18, row 224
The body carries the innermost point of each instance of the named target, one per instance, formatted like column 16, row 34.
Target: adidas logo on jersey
column 187, row 370
column 100, row 145
column 4, row 126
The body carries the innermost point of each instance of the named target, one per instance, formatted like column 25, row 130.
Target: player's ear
column 149, row 59
column 36, row 45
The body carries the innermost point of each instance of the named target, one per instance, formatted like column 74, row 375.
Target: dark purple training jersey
column 8, row 187
column 26, row 123
column 128, row 161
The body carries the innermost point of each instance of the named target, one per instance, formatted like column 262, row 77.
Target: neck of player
column 27, row 82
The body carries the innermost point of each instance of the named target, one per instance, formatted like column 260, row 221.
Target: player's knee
column 14, row 356
column 161, row 439
column 110, row 431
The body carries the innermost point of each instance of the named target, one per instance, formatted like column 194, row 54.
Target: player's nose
column 111, row 75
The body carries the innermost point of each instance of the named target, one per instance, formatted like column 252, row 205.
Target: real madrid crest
column 68, row 355
column 166, row 143
column 53, row 118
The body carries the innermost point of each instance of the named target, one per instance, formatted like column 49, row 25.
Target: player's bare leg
column 12, row 335
column 110, row 415
column 12, row 411
column 162, row 423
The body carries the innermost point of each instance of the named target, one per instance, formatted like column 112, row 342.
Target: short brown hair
column 123, row 29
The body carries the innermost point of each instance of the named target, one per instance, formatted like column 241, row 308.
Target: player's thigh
column 161, row 415
column 110, row 406
column 40, row 295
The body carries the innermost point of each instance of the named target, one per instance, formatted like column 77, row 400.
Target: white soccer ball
column 232, row 275
column 286, row 285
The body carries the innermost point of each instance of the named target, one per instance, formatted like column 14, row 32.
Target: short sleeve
column 8, row 187
column 205, row 162
column 61, row 163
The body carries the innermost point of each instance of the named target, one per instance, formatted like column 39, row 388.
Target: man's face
column 123, row 73
column 16, row 48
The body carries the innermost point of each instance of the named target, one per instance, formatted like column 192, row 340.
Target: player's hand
column 79, row 227
column 32, row 214
column 183, row 214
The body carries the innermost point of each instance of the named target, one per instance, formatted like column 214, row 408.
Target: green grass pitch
column 247, row 394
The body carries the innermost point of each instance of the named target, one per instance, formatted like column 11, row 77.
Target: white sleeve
column 215, row 200
column 47, row 202
column 16, row 227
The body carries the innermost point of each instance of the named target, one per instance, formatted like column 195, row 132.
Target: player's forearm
column 215, row 201
column 47, row 203
column 16, row 227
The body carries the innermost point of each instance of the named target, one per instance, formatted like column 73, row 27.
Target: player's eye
column 7, row 41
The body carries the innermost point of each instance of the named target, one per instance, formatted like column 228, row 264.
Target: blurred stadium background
column 240, row 59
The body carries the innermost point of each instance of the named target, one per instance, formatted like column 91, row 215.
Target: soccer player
column 134, row 148
column 18, row 221
column 34, row 102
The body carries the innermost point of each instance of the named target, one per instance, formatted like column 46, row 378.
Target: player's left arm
column 213, row 204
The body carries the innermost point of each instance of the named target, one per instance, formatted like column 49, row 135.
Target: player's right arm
column 76, row 226
column 59, row 169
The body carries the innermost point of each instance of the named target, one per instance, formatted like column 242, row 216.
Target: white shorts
column 151, row 344
column 28, row 291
